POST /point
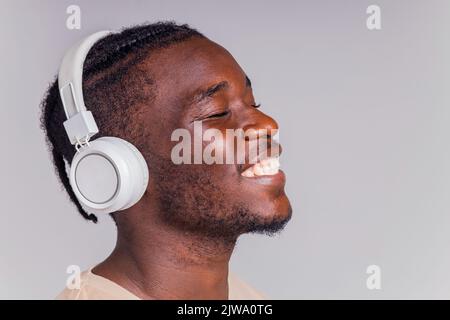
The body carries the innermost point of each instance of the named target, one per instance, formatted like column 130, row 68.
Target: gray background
column 364, row 119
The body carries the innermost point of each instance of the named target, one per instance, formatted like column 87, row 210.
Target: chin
column 270, row 217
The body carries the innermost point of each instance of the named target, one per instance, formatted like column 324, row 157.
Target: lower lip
column 268, row 180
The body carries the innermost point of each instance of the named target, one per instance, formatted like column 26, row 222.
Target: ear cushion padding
column 140, row 171
column 110, row 175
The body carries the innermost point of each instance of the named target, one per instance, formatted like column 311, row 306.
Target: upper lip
column 272, row 148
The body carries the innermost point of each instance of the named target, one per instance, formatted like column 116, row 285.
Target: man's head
column 146, row 82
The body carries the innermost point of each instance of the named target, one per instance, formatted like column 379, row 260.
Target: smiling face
column 198, row 80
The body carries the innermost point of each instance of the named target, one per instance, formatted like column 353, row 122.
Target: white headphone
column 107, row 174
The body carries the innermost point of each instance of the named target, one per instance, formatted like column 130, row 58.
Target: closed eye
column 218, row 115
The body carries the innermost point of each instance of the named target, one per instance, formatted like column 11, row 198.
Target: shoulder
column 92, row 287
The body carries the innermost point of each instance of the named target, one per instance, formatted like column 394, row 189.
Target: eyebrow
column 248, row 83
column 212, row 90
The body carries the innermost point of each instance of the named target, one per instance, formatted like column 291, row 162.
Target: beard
column 191, row 200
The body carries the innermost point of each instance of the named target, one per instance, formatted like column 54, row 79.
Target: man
column 142, row 84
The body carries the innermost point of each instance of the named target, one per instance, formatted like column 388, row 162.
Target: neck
column 155, row 261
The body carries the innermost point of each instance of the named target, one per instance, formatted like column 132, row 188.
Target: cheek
column 214, row 147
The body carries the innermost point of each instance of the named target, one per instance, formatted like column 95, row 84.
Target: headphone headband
column 80, row 123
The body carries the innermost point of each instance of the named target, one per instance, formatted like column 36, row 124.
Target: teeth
column 258, row 169
column 266, row 167
column 248, row 173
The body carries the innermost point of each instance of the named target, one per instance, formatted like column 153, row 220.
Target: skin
column 176, row 242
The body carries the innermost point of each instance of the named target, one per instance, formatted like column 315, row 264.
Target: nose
column 259, row 125
column 259, row 131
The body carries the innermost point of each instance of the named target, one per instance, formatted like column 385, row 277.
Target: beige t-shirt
column 95, row 287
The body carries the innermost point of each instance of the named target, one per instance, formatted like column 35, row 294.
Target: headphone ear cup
column 138, row 170
column 110, row 175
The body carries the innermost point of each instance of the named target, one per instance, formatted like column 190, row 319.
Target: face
column 198, row 80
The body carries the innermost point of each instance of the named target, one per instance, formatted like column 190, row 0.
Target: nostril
column 252, row 133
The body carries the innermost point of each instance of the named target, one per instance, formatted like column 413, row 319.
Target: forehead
column 182, row 69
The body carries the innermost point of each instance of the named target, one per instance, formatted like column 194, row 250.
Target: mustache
column 261, row 149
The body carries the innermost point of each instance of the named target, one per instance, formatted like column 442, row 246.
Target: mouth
column 264, row 163
column 266, row 167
